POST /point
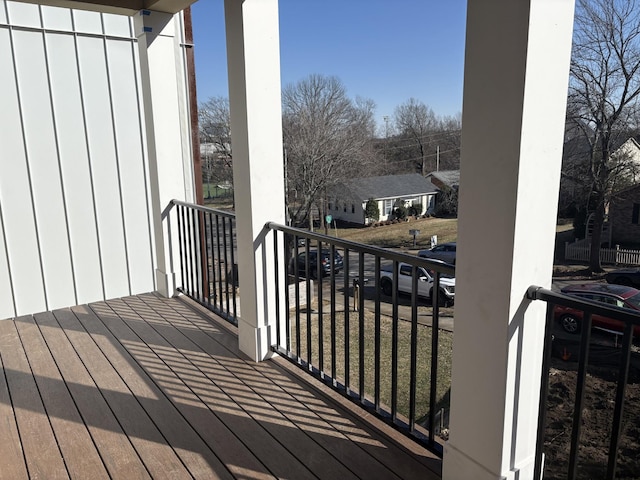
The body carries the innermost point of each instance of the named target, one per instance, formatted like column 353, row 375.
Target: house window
column 635, row 214
column 388, row 207
column 353, row 208
column 344, row 207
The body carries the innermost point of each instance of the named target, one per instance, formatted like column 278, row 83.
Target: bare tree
column 327, row 138
column 215, row 138
column 603, row 95
column 423, row 141
column 416, row 121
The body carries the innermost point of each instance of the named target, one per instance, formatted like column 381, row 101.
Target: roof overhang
column 121, row 7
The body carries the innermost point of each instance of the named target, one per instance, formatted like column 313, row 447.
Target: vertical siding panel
column 102, row 153
column 75, row 169
column 131, row 163
column 24, row 14
column 44, row 168
column 87, row 22
column 55, row 18
column 116, row 25
column 15, row 201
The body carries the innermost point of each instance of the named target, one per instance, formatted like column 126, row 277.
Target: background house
column 445, row 178
column 624, row 216
column 349, row 199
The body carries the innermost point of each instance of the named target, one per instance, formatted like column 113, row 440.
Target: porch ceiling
column 122, row 7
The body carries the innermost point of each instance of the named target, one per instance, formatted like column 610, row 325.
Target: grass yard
column 397, row 235
column 423, row 335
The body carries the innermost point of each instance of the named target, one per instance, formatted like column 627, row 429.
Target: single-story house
column 445, row 178
column 348, row 200
column 624, row 216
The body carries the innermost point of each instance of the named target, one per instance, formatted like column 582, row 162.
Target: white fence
column 579, row 251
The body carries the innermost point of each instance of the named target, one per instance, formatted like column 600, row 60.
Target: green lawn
column 423, row 369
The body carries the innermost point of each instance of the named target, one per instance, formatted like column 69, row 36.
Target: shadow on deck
column 148, row 387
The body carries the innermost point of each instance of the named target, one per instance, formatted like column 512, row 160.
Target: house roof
column 390, row 186
column 448, row 177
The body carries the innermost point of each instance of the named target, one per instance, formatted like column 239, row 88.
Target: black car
column 325, row 263
column 624, row 276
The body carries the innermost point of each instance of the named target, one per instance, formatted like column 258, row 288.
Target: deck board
column 117, row 452
column 145, row 386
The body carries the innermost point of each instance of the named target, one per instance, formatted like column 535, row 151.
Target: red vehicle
column 570, row 319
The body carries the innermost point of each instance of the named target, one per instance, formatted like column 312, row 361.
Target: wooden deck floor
column 147, row 387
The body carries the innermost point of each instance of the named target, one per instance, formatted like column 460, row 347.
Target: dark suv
column 570, row 319
column 325, row 263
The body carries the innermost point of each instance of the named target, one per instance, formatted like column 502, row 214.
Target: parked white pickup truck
column 425, row 283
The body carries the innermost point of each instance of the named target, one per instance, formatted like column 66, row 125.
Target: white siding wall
column 74, row 208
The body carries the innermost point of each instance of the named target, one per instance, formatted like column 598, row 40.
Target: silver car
column 445, row 252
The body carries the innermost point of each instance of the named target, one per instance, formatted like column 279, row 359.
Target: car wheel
column 387, row 287
column 570, row 324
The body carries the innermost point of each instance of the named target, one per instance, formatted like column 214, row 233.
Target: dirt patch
column 596, row 427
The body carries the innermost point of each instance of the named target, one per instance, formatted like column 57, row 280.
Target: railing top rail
column 368, row 249
column 204, row 209
column 591, row 306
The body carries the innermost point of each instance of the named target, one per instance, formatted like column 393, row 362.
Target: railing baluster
column 394, row 345
column 225, row 248
column 234, row 271
column 413, row 359
column 347, row 340
column 623, row 373
column 180, row 216
column 435, row 335
column 276, row 270
column 544, row 391
column 376, row 334
column 580, row 388
column 296, row 273
column 308, row 281
column 361, row 324
column 332, row 253
column 218, row 247
column 212, row 287
column 193, row 285
column 286, row 241
column 320, row 318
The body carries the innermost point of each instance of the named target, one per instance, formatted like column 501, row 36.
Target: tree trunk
column 596, row 239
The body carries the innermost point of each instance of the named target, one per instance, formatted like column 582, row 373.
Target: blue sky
column 385, row 50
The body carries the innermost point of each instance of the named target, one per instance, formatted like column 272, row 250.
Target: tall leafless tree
column 215, row 136
column 416, row 121
column 603, row 94
column 327, row 138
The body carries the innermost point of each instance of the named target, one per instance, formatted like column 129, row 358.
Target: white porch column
column 167, row 130
column 256, row 125
column 515, row 92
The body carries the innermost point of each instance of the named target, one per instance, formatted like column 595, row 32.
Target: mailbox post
column 415, row 233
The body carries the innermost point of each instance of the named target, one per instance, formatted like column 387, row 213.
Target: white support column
column 162, row 78
column 256, row 125
column 515, row 92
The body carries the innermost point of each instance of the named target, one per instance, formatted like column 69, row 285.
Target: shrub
column 400, row 212
column 371, row 210
column 447, row 202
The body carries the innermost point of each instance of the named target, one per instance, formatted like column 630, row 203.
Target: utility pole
column 437, row 158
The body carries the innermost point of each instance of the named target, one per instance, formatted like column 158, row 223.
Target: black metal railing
column 584, row 467
column 341, row 319
column 207, row 250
